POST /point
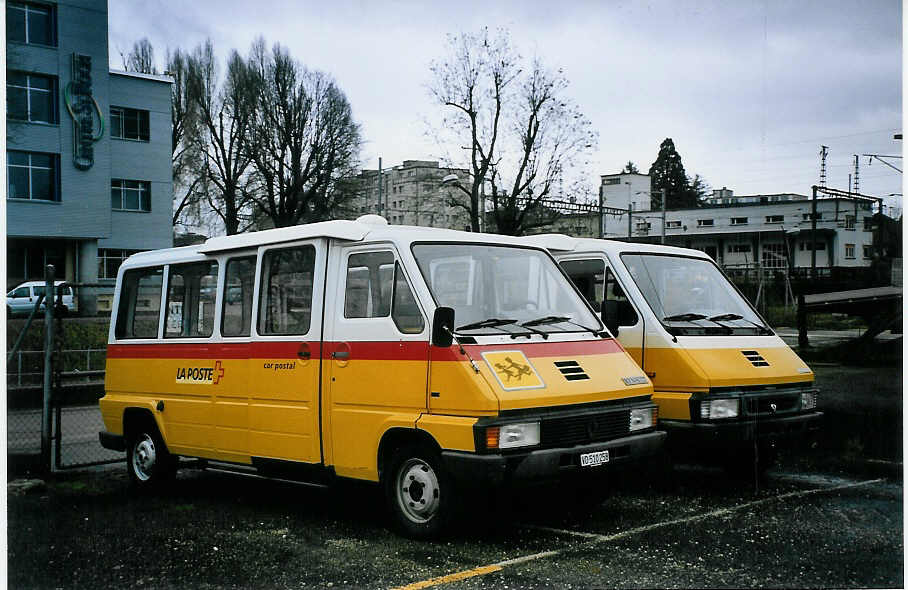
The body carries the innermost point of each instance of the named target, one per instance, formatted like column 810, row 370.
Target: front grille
column 575, row 430
column 769, row 405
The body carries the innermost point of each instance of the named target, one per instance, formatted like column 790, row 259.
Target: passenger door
column 285, row 354
column 598, row 283
column 376, row 351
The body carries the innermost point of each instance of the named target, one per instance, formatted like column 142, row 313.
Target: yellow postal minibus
column 726, row 385
column 420, row 358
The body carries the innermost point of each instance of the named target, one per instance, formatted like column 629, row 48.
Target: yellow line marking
column 480, row 571
column 594, row 538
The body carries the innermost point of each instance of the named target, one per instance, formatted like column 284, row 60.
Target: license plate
column 593, row 459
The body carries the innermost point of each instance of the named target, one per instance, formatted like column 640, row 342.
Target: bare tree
column 523, row 134
column 140, row 58
column 305, row 141
column 226, row 113
column 186, row 154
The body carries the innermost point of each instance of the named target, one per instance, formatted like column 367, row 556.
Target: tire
column 419, row 492
column 148, row 462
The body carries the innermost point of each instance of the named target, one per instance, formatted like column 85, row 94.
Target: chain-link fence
column 66, row 417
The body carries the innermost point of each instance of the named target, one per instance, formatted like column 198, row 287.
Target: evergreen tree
column 630, row 168
column 667, row 172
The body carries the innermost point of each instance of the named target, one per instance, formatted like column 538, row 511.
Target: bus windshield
column 502, row 289
column 691, row 296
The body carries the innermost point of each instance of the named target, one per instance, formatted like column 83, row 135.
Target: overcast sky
column 747, row 90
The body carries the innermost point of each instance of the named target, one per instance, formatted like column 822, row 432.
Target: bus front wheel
column 418, row 491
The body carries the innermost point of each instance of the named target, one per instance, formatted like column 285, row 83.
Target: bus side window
column 587, row 277
column 369, row 285
column 627, row 315
column 190, row 300
column 285, row 298
column 140, row 303
column 238, row 284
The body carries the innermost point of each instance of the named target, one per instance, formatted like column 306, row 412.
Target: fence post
column 802, row 323
column 48, row 366
column 19, row 379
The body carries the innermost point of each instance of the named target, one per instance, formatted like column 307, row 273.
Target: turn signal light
column 492, row 434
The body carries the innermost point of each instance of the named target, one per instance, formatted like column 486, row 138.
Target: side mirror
column 610, row 316
column 443, row 327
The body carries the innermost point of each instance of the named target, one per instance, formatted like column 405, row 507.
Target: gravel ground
column 824, row 518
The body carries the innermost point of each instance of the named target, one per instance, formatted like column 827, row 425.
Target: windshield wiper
column 489, row 323
column 556, row 319
column 734, row 316
column 684, row 317
column 694, row 317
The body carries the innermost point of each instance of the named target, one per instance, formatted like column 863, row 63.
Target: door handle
column 340, row 354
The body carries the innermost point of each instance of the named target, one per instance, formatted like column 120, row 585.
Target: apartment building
column 770, row 231
column 88, row 148
column 412, row 193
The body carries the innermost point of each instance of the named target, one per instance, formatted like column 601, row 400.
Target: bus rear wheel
column 148, row 462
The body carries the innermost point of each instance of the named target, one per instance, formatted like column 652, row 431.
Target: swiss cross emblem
column 218, row 372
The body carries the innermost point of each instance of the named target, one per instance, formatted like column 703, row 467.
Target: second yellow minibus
column 727, row 386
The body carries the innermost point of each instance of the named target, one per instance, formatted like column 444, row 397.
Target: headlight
column 641, row 418
column 512, row 436
column 808, row 400
column 716, row 409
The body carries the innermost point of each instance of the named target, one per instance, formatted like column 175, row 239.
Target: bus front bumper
column 740, row 431
column 470, row 469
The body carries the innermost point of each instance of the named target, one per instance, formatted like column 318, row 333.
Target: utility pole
column 824, row 150
column 601, row 213
column 662, row 190
column 380, row 183
column 857, row 170
column 630, row 217
column 813, row 235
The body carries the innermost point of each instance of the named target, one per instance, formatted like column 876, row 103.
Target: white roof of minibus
column 562, row 243
column 368, row 227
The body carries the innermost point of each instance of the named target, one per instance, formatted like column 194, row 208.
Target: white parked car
column 21, row 300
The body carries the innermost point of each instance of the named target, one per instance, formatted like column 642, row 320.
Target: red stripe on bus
column 393, row 350
column 374, row 350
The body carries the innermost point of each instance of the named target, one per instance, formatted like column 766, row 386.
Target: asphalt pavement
column 830, row 515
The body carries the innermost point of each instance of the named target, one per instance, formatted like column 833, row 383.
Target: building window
column 672, row 224
column 868, row 251
column 806, row 216
column 774, row 256
column 32, row 176
column 849, row 222
column 31, row 97
column 27, row 22
column 739, row 248
column 128, row 123
column 110, row 259
column 868, row 224
column 775, row 218
column 807, row 246
column 130, row 195
column 739, row 221
column 704, row 223
column 611, row 181
column 849, row 250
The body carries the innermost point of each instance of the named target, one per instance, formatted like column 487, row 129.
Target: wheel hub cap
column 418, row 493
